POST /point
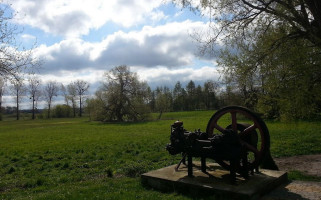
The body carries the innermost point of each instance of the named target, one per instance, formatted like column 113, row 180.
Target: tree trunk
column 33, row 107
column 17, row 106
column 74, row 108
column 49, row 107
column 160, row 115
column 80, row 110
column 119, row 117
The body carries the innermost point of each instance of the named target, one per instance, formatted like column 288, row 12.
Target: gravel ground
column 308, row 164
column 298, row 190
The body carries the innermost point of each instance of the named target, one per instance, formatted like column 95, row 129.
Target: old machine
column 235, row 138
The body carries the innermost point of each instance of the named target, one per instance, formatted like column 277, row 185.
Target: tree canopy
column 121, row 98
column 271, row 52
column 14, row 58
column 236, row 18
column 281, row 82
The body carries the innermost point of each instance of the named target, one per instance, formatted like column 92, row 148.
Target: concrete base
column 215, row 182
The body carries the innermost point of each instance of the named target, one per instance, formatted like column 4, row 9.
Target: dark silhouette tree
column 34, row 91
column 51, row 90
column 17, row 90
column 81, row 89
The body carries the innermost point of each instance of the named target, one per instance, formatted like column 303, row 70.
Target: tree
column 191, row 95
column 50, row 91
column 210, row 89
column 64, row 94
column 81, row 89
column 14, row 59
column 179, row 97
column 17, row 90
column 96, row 108
column 199, row 98
column 236, row 18
column 163, row 100
column 263, row 63
column 72, row 94
column 35, row 92
column 277, row 84
column 151, row 101
column 124, row 95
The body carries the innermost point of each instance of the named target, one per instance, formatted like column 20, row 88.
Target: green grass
column 297, row 138
column 297, row 175
column 78, row 159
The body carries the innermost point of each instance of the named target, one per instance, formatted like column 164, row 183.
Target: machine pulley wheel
column 253, row 133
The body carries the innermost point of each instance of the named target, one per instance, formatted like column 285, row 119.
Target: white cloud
column 27, row 37
column 163, row 76
column 161, row 55
column 168, row 45
column 73, row 18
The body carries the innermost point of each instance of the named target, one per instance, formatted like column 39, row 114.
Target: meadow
column 80, row 159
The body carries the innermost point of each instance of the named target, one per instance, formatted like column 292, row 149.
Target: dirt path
column 308, row 164
column 298, row 190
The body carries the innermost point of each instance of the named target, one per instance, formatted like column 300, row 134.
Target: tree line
column 32, row 90
column 122, row 97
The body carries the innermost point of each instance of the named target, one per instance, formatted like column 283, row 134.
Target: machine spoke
column 234, row 121
column 219, row 128
column 248, row 130
column 251, row 148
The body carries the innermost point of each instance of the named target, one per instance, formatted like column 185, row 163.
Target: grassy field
column 78, row 159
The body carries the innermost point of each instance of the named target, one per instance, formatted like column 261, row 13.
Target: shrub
column 62, row 111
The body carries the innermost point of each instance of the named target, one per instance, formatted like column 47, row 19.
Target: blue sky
column 81, row 39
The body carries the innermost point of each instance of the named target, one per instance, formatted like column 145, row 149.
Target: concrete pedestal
column 215, row 182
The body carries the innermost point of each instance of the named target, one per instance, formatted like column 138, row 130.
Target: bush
column 42, row 114
column 62, row 111
column 96, row 110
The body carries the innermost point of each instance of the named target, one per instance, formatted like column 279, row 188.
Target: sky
column 82, row 39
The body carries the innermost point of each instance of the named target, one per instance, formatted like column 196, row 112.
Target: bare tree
column 50, row 91
column 35, row 92
column 72, row 94
column 81, row 88
column 14, row 59
column 64, row 93
column 18, row 90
